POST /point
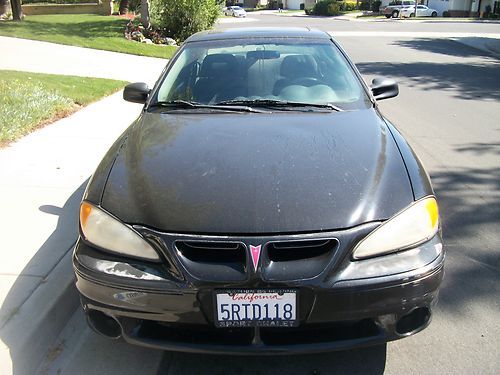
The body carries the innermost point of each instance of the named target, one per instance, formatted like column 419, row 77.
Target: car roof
column 258, row 32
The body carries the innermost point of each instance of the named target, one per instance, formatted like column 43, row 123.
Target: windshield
column 252, row 70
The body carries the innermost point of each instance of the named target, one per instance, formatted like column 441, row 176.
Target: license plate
column 256, row 308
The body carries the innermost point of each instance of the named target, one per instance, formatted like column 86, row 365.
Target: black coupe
column 260, row 203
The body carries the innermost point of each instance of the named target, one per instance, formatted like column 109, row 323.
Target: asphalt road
column 449, row 111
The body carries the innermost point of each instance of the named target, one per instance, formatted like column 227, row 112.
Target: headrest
column 218, row 65
column 299, row 66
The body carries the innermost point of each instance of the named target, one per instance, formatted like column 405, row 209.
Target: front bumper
column 362, row 303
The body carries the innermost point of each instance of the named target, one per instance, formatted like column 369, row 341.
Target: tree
column 181, row 18
column 17, row 10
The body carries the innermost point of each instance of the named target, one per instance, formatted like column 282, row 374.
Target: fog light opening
column 104, row 324
column 413, row 322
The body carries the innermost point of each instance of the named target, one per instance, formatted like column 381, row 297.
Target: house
column 254, row 3
column 463, row 8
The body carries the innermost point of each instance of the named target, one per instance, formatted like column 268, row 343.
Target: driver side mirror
column 136, row 92
column 384, row 88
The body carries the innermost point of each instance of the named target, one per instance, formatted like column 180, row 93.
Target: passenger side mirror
column 136, row 92
column 384, row 88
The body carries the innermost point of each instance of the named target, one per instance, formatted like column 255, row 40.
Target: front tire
column 434, row 14
column 412, row 15
column 395, row 14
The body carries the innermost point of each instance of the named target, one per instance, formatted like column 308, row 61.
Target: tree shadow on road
column 445, row 46
column 470, row 211
column 467, row 81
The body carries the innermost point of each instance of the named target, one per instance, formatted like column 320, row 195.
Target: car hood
column 257, row 173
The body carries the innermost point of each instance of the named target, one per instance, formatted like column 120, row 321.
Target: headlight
column 417, row 223
column 103, row 230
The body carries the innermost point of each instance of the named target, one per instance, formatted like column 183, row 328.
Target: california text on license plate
column 256, row 308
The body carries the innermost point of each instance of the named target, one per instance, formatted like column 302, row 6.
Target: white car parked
column 422, row 11
column 235, row 11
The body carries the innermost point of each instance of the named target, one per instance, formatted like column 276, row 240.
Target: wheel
column 434, row 14
column 387, row 16
column 395, row 14
column 412, row 15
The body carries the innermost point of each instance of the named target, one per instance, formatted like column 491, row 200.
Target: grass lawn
column 30, row 100
column 83, row 30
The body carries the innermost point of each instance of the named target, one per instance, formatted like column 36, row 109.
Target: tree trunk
column 123, row 7
column 145, row 14
column 17, row 11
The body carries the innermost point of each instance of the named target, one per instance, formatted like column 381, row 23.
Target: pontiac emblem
column 255, row 252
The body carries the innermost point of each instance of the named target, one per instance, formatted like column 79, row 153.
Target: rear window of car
column 292, row 69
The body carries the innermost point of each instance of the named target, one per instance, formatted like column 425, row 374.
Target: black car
column 260, row 203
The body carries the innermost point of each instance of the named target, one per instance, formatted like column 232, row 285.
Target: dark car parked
column 260, row 203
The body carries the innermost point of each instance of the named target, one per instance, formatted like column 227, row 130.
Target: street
column 448, row 109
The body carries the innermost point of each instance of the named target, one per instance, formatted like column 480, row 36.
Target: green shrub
column 376, row 6
column 348, row 6
column 179, row 19
column 327, row 8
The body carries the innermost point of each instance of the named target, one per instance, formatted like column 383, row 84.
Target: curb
column 27, row 336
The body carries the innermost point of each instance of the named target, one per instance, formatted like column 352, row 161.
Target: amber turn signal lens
column 85, row 210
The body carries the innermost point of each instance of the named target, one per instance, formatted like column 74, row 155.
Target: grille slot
column 207, row 252
column 213, row 261
column 293, row 260
column 297, row 250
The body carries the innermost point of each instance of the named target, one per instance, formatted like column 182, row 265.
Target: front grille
column 227, row 259
column 213, row 260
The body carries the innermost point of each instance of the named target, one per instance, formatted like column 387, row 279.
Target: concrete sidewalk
column 44, row 57
column 42, row 179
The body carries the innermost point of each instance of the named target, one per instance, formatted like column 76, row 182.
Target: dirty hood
column 229, row 173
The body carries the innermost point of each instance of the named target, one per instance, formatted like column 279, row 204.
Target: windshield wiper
column 280, row 104
column 184, row 104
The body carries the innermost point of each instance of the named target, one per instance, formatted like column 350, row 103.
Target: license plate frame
column 278, row 323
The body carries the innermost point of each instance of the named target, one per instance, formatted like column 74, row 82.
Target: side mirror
column 136, row 92
column 384, row 88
